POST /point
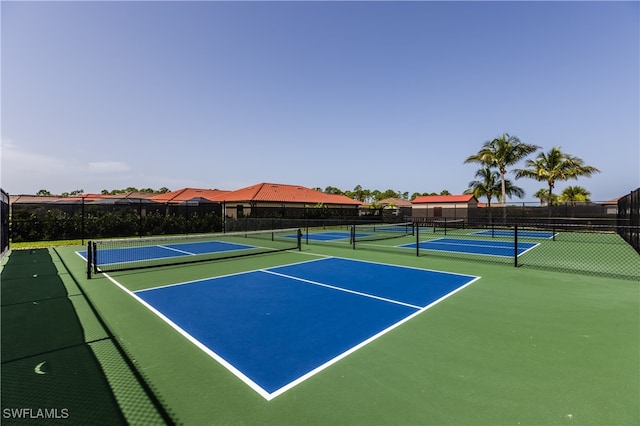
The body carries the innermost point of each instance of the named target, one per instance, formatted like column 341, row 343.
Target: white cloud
column 24, row 170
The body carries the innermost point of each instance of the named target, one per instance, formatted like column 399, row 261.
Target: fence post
column 82, row 229
column 352, row 236
column 417, row 225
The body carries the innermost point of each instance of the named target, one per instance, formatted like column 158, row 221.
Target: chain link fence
column 126, row 217
column 579, row 247
column 629, row 213
column 4, row 222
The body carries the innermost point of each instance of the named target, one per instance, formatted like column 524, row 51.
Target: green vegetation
column 554, row 166
column 501, row 153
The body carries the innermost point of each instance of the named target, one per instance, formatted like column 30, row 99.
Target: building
column 281, row 200
column 429, row 207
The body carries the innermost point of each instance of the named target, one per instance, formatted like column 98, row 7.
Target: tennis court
column 276, row 326
column 260, row 330
column 521, row 233
column 327, row 235
column 120, row 255
column 469, row 246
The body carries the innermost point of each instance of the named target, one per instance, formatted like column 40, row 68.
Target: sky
column 385, row 95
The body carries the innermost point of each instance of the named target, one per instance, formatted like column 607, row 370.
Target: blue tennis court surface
column 511, row 234
column 480, row 247
column 275, row 327
column 145, row 253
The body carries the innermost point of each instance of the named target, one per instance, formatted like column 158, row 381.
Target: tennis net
column 380, row 231
column 139, row 253
column 448, row 225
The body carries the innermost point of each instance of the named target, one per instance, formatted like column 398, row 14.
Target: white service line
column 342, row 289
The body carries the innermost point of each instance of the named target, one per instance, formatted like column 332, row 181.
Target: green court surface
column 526, row 345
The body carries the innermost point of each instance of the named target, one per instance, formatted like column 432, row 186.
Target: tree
column 389, row 193
column 553, row 166
column 358, row 193
column 543, row 195
column 501, row 153
column 43, row 193
column 332, row 190
column 574, row 194
column 490, row 186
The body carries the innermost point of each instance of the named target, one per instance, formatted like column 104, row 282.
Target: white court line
column 196, row 342
column 179, row 251
column 253, row 385
column 341, row 289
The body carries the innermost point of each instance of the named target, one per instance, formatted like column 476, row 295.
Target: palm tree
column 490, row 186
column 543, row 195
column 574, row 194
column 553, row 166
column 500, row 153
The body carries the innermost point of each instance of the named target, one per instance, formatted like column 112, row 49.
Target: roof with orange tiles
column 276, row 192
column 465, row 198
column 187, row 194
column 398, row 202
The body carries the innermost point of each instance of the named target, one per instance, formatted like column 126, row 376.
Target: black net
column 380, row 231
column 138, row 253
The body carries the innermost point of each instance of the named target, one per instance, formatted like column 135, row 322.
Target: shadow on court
column 49, row 372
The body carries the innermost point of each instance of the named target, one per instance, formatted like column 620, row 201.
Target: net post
column 89, row 259
column 417, row 226
column 352, row 237
column 300, row 239
column 445, row 226
column 95, row 258
column 515, row 245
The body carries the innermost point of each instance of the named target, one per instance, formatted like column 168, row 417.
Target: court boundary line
column 244, row 378
column 223, row 362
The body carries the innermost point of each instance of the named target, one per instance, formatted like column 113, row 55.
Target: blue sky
column 385, row 95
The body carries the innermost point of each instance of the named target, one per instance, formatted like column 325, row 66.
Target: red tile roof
column 187, row 194
column 275, row 192
column 465, row 198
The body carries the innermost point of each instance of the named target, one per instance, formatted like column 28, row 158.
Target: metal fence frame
column 629, row 213
column 4, row 222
